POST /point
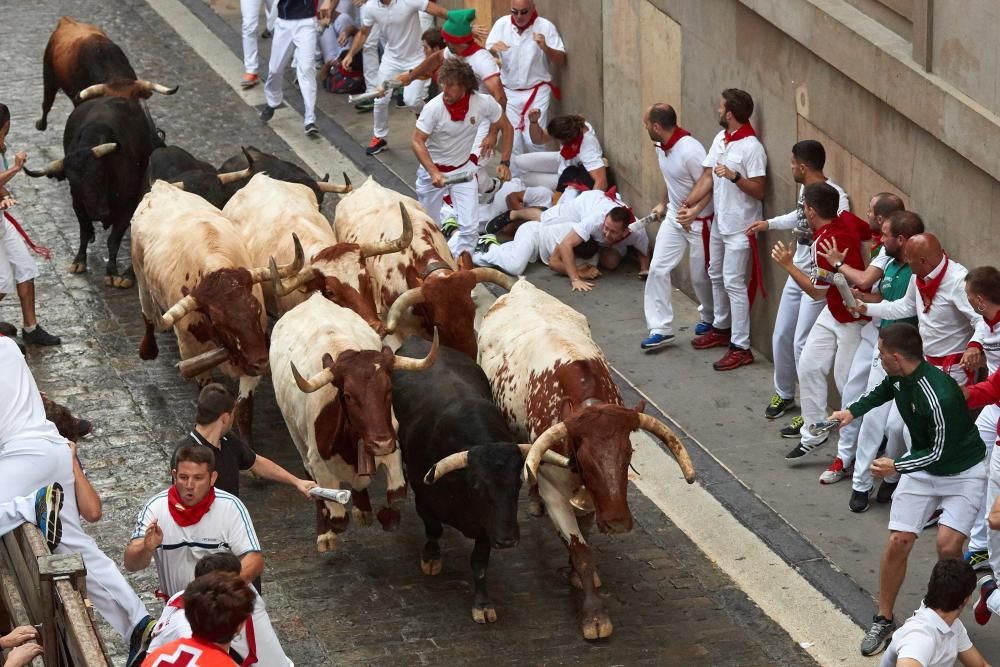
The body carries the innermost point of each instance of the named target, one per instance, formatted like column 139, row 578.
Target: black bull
column 107, row 144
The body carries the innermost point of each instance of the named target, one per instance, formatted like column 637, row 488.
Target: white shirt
column 173, row 625
column 451, row 142
column 797, row 218
column 225, row 527
column 926, row 638
column 735, row 209
column 592, row 227
column 949, row 323
column 481, row 62
column 399, row 22
column 591, row 156
column 587, row 212
column 22, row 415
column 524, row 64
column 681, row 169
column 534, row 196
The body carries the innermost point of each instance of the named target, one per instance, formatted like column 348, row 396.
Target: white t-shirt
column 22, row 414
column 591, row 156
column 549, row 238
column 591, row 226
column 524, row 64
column 797, row 219
column 926, row 638
column 399, row 22
column 451, row 142
column 534, row 196
column 225, row 527
column 173, row 624
column 481, row 62
column 735, row 209
column 681, row 167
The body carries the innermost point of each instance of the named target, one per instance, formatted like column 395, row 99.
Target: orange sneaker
column 733, row 359
column 250, row 80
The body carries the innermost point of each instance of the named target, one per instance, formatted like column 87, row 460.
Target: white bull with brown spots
column 554, row 385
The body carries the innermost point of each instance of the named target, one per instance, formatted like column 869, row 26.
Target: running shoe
column 834, row 473
column 449, row 226
column 878, row 636
column 702, row 328
column 986, row 587
column 778, row 406
column 485, row 241
column 885, row 491
column 656, row 341
column 376, row 146
column 802, row 449
column 860, row 501
column 714, row 338
column 733, row 359
column 48, row 504
column 792, row 430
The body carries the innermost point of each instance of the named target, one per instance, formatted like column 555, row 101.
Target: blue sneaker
column 702, row 328
column 656, row 341
column 48, row 503
column 978, row 559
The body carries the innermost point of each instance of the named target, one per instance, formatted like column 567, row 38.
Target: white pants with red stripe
column 465, row 202
column 541, row 169
column 881, row 422
column 671, row 242
column 981, row 537
column 797, row 312
column 25, row 467
column 250, row 13
column 298, row 38
column 729, row 259
column 830, row 346
column 516, row 101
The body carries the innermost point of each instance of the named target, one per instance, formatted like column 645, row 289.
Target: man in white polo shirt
column 190, row 520
column 444, row 142
column 735, row 175
column 680, row 157
column 527, row 45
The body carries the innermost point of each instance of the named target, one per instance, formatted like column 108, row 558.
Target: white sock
column 28, row 329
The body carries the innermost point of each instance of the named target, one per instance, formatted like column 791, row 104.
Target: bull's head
column 128, row 88
column 492, row 480
column 446, row 300
column 363, row 379
column 85, row 170
column 598, row 435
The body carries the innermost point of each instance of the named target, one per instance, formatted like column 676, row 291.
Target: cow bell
column 366, row 462
column 582, row 501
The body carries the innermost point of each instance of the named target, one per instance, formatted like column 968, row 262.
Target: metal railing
column 49, row 591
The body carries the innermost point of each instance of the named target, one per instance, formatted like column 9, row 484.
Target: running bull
column 175, row 165
column 282, row 170
column 553, row 383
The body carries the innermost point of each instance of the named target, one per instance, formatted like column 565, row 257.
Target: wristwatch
column 737, row 177
column 505, row 163
column 836, row 267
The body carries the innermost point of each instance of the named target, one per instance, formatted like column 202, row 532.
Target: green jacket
column 944, row 436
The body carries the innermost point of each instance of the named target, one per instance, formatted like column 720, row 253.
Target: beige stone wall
column 964, row 48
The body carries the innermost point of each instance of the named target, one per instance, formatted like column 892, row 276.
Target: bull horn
column 332, row 187
column 411, row 364
column 487, row 275
column 202, row 363
column 315, row 383
column 104, row 149
column 553, row 435
column 54, row 168
column 386, row 247
column 405, row 301
column 90, row 92
column 233, row 176
column 450, row 463
column 176, row 312
column 178, row 184
column 289, row 285
column 555, row 458
column 673, row 443
column 260, row 274
column 158, row 87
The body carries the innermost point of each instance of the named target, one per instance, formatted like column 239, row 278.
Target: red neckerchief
column 469, row 50
column 459, row 109
column 745, row 130
column 679, row 133
column 37, row 249
column 531, row 20
column 571, row 148
column 928, row 288
column 186, row 516
column 612, row 194
column 993, row 323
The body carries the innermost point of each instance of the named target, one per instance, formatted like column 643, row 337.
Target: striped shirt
column 225, row 527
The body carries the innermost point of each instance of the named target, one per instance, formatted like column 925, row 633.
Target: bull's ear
column 184, row 290
column 465, row 261
column 327, row 360
column 640, row 407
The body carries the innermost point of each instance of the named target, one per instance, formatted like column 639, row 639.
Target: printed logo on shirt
column 184, row 656
column 473, row 120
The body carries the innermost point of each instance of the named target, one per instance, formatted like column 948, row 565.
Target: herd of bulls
column 528, row 396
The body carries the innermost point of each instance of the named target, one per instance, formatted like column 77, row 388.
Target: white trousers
column 413, row 95
column 671, row 242
column 28, row 465
column 465, row 202
column 369, row 54
column 250, row 12
column 857, row 384
column 797, row 312
column 882, row 422
column 987, row 425
column 16, row 263
column 729, row 259
column 298, row 38
column 993, row 541
column 537, row 169
column 514, row 256
column 516, row 101
column 830, row 345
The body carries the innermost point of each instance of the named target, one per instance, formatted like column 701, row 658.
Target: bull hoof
column 361, row 517
column 389, row 518
column 597, row 625
column 574, row 580
column 41, row 124
column 484, row 614
column 78, row 267
column 326, row 542
column 430, row 568
column 121, row 282
column 148, row 350
column 536, row 507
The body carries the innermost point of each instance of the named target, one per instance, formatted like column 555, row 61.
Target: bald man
column 936, row 296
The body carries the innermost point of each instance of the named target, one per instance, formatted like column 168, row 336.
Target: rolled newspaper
column 840, row 282
column 642, row 222
column 460, row 177
column 386, row 87
column 821, row 427
column 333, row 495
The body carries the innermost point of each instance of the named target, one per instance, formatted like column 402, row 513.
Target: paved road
column 367, row 603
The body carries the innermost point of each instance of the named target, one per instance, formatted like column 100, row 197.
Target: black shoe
column 778, row 406
column 7, row 329
column 802, row 449
column 376, row 146
column 40, row 337
column 793, row 429
column 311, row 130
column 367, row 105
column 267, row 113
column 885, row 491
column 498, row 223
column 485, row 241
column 267, row 34
column 859, row 501
column 878, row 636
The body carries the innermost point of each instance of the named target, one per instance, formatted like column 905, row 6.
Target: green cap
column 457, row 29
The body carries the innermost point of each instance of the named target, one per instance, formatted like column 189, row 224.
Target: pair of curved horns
column 326, row 376
column 263, row 273
column 398, row 245
column 102, row 89
column 333, row 187
column 415, row 296
column 558, row 432
column 224, row 179
column 460, row 460
column 55, row 168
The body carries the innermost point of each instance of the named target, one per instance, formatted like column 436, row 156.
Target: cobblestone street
column 367, row 603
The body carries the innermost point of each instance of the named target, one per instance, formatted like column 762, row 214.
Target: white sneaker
column 834, row 473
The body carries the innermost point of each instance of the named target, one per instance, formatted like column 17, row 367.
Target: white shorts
column 16, row 263
column 920, row 494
